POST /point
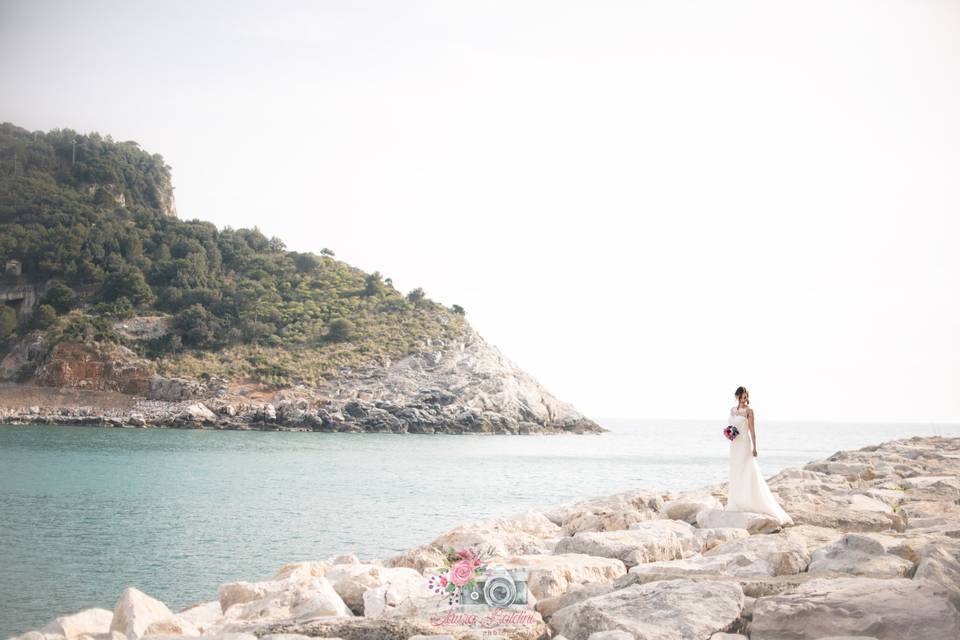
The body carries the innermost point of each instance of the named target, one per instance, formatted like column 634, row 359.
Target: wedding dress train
column 748, row 491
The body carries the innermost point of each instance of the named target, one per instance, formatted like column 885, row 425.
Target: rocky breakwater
column 874, row 553
column 448, row 386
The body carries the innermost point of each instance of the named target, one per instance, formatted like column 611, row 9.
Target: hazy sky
column 644, row 204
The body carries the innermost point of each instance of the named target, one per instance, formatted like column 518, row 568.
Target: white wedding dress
column 748, row 491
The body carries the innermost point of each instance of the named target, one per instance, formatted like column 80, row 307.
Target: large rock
column 759, row 555
column 826, row 500
column 136, row 614
column 663, row 610
column 548, row 606
column 203, row 616
column 350, row 581
column 687, row 505
column 86, row 622
column 730, row 564
column 531, row 627
column 426, row 558
column 859, row 554
column 753, row 586
column 688, row 536
column 110, row 635
column 232, row 593
column 710, row 538
column 210, row 636
column 943, row 567
column 776, row 555
column 525, row 533
column 886, row 609
column 613, row 634
column 752, row 522
column 197, row 413
column 552, row 575
column 664, row 541
column 812, row 537
column 174, row 389
column 302, row 570
column 608, row 513
column 402, row 592
column 853, row 470
column 297, row 600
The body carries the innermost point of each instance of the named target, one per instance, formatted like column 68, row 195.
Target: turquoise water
column 86, row 511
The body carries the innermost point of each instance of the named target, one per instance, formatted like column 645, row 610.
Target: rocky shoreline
column 357, row 416
column 455, row 386
column 874, row 552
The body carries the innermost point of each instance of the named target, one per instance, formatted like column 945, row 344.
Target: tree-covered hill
column 92, row 220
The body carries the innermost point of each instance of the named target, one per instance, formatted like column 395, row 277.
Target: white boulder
column 136, row 614
column 752, row 522
column 661, row 610
column 882, row 608
column 552, row 575
column 88, row 621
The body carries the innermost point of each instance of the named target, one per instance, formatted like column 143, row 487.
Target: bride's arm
column 753, row 432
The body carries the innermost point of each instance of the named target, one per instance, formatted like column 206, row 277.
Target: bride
column 748, row 491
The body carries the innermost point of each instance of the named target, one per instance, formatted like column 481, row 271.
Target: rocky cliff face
column 463, row 385
column 465, row 381
column 168, row 203
column 80, row 366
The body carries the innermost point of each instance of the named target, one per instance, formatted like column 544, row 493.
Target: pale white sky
column 644, row 204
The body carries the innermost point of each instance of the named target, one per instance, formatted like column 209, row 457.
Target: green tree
column 44, row 316
column 374, row 285
column 8, row 321
column 121, row 309
column 340, row 330
column 457, row 309
column 305, row 262
column 196, row 326
column 128, row 283
column 102, row 198
column 417, row 296
column 61, row 297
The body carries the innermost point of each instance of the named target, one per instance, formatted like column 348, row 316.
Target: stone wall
column 22, row 298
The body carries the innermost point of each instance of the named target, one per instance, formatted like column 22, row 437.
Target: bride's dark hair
column 742, row 391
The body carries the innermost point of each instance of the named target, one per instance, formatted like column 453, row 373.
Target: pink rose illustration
column 461, row 572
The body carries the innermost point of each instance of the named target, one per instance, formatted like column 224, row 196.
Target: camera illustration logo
column 498, row 587
column 479, row 592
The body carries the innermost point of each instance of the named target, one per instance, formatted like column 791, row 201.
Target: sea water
column 88, row 511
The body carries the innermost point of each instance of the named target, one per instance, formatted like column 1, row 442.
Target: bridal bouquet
column 731, row 432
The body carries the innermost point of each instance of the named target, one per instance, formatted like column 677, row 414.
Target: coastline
column 882, row 519
column 284, row 411
column 457, row 386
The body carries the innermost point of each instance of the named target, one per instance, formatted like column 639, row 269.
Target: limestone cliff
column 466, row 382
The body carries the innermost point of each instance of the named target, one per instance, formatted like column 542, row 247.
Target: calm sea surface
column 86, row 511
